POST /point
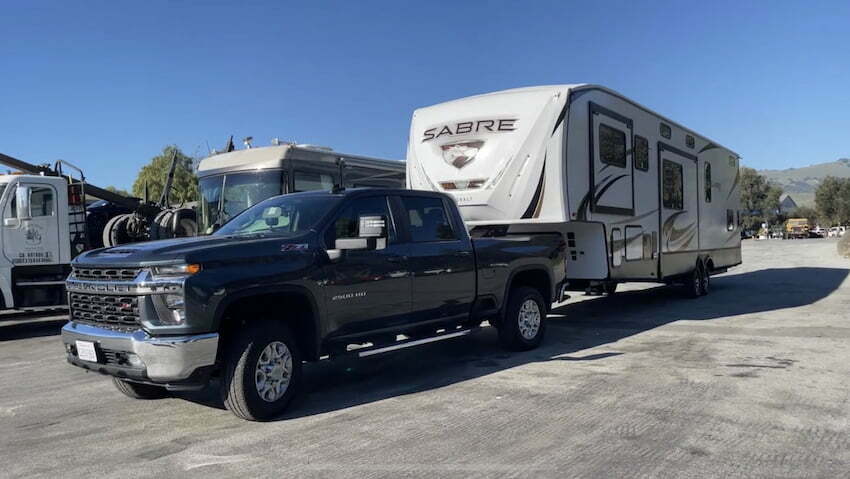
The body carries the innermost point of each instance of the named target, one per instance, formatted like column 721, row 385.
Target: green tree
column 154, row 174
column 832, row 199
column 759, row 199
column 117, row 191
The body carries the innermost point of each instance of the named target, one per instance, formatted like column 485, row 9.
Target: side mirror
column 11, row 222
column 22, row 198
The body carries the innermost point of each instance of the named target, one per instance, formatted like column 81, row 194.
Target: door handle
column 396, row 259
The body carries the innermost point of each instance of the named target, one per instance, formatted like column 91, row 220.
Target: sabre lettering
column 464, row 127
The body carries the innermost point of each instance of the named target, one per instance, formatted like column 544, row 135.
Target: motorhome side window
column 641, row 153
column 41, row 201
column 428, row 219
column 314, row 180
column 347, row 223
column 612, row 146
column 708, row 182
column 673, row 187
column 666, row 131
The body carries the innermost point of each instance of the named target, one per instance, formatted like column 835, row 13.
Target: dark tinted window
column 665, row 130
column 612, row 146
column 708, row 182
column 356, row 176
column 641, row 153
column 689, row 140
column 673, row 190
column 347, row 222
column 428, row 219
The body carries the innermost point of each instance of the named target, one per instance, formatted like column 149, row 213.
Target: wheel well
column 294, row 309
column 537, row 279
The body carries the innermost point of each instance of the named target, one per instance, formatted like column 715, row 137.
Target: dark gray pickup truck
column 297, row 278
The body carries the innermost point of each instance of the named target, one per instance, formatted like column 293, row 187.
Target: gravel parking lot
column 749, row 381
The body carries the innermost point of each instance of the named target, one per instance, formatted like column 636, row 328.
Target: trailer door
column 611, row 182
column 679, row 218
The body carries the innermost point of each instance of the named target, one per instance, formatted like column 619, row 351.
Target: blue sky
column 107, row 85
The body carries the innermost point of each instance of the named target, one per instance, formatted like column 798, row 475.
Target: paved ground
column 749, row 382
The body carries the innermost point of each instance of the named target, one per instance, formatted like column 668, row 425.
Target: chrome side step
column 416, row 342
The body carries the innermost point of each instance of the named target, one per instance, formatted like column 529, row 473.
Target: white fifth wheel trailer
column 637, row 196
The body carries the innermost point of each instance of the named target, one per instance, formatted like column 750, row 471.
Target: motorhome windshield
column 281, row 216
column 224, row 196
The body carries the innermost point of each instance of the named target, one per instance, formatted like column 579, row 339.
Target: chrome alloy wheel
column 273, row 372
column 529, row 319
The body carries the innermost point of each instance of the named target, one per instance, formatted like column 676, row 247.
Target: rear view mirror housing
column 11, row 222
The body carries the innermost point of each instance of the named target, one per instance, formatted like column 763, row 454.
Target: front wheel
column 139, row 390
column 262, row 372
column 524, row 323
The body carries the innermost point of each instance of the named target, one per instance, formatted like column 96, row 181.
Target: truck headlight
column 170, row 309
column 175, row 270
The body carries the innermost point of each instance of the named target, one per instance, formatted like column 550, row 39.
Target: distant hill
column 801, row 183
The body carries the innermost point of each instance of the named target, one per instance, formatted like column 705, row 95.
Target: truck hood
column 200, row 249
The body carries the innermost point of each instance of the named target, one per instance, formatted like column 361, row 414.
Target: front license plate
column 86, row 351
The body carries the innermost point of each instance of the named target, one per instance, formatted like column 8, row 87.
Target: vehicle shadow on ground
column 36, row 329
column 572, row 328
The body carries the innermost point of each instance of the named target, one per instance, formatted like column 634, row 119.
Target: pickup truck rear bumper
column 138, row 356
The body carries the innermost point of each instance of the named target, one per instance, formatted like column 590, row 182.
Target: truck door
column 366, row 290
column 679, row 218
column 34, row 238
column 441, row 261
column 611, row 163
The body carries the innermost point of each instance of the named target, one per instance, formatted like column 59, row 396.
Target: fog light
column 134, row 360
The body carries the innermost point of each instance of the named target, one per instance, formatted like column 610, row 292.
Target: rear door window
column 428, row 219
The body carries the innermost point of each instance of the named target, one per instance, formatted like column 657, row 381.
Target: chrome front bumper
column 164, row 359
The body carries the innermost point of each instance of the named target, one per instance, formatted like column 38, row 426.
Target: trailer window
column 356, row 176
column 42, row 201
column 689, row 141
column 673, row 187
column 612, row 146
column 707, row 182
column 641, row 153
column 428, row 219
column 666, row 131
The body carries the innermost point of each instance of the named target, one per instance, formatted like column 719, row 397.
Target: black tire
column 239, row 389
column 706, row 281
column 610, row 287
column 693, row 282
column 139, row 390
column 161, row 225
column 115, row 232
column 511, row 331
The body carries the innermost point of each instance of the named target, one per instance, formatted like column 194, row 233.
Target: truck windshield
column 225, row 196
column 283, row 216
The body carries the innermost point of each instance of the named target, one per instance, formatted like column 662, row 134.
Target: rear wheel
column 139, row 390
column 693, row 282
column 706, row 281
column 262, row 372
column 610, row 287
column 524, row 323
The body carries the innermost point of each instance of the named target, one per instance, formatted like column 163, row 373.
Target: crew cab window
column 428, row 219
column 673, row 187
column 42, row 201
column 612, row 146
column 347, row 223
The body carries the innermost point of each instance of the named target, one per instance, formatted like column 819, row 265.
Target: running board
column 416, row 342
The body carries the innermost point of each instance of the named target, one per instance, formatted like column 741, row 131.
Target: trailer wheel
column 138, row 390
column 262, row 371
column 610, row 287
column 706, row 280
column 694, row 281
column 524, row 323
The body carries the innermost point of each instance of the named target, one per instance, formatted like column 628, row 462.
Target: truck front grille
column 106, row 274
column 120, row 312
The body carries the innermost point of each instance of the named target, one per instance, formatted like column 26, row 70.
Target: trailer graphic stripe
column 538, row 195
